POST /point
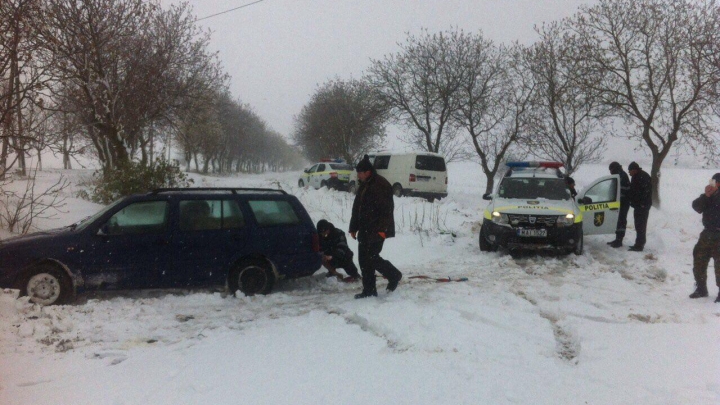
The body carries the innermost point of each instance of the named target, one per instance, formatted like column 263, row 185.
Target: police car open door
column 600, row 205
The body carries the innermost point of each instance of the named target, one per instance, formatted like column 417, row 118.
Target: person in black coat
column 708, row 245
column 372, row 222
column 336, row 252
column 616, row 168
column 570, row 182
column 640, row 195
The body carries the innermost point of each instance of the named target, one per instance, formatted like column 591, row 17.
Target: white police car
column 532, row 209
column 328, row 173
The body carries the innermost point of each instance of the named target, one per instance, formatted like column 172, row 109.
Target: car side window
column 382, row 162
column 273, row 212
column 138, row 218
column 605, row 191
column 321, row 168
column 206, row 215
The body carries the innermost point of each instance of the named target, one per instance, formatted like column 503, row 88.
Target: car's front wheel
column 397, row 190
column 301, row 183
column 46, row 284
column 579, row 245
column 252, row 277
column 485, row 245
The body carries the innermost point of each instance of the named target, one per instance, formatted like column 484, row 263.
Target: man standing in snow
column 641, row 200
column 372, row 222
column 616, row 168
column 708, row 245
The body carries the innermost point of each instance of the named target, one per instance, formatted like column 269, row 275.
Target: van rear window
column 432, row 163
column 340, row 166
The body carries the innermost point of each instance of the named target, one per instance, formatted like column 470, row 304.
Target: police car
column 532, row 209
column 327, row 173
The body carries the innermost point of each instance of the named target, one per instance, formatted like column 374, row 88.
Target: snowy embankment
column 608, row 327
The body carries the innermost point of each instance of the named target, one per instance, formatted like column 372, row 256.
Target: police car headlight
column 499, row 218
column 566, row 220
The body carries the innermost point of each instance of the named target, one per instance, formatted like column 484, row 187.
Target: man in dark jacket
column 708, row 245
column 570, row 182
column 336, row 252
column 372, row 222
column 641, row 200
column 616, row 168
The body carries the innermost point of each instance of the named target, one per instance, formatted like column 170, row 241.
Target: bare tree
column 419, row 86
column 342, row 119
column 494, row 101
column 565, row 113
column 20, row 209
column 650, row 58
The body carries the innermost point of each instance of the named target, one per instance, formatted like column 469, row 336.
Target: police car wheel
column 301, row 183
column 485, row 246
column 579, row 245
column 397, row 190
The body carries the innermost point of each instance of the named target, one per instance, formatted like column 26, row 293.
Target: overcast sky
column 277, row 52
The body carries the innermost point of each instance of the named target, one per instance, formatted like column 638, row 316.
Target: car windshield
column 83, row 223
column 340, row 166
column 534, row 188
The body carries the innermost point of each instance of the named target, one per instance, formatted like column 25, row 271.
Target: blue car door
column 130, row 249
column 281, row 235
column 209, row 235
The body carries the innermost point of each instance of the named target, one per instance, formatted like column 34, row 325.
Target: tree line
column 121, row 81
column 644, row 70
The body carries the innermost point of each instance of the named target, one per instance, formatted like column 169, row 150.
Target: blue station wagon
column 242, row 238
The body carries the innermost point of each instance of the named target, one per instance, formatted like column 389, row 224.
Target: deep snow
column 608, row 327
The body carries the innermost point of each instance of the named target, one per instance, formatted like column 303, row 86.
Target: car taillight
column 315, row 242
column 333, row 175
column 412, row 178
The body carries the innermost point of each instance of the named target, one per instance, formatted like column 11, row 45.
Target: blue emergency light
column 549, row 165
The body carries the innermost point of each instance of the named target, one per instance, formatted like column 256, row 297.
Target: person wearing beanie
column 336, row 252
column 708, row 244
column 371, row 224
column 640, row 195
column 616, row 168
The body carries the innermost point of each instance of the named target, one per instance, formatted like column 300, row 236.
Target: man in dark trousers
column 336, row 252
column 708, row 245
column 372, row 222
column 641, row 201
column 616, row 168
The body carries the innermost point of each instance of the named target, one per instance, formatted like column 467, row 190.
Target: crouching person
column 336, row 252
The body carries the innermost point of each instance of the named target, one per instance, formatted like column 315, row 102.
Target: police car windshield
column 534, row 188
column 340, row 166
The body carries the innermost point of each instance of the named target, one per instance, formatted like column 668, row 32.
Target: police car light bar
column 549, row 165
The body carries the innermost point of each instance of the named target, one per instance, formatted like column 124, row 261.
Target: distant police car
column 532, row 209
column 328, row 173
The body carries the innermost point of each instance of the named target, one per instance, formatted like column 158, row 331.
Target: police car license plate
column 534, row 233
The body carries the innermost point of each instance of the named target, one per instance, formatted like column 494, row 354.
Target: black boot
column 366, row 294
column 616, row 243
column 718, row 298
column 636, row 248
column 392, row 284
column 700, row 291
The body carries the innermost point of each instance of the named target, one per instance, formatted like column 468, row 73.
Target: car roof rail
column 233, row 190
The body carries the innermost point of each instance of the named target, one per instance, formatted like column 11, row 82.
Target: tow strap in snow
column 441, row 280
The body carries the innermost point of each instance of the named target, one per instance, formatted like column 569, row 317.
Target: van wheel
column 301, row 183
column 46, row 284
column 397, row 190
column 251, row 277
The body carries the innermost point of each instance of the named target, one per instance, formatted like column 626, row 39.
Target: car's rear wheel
column 46, row 284
column 301, row 183
column 252, row 277
column 397, row 190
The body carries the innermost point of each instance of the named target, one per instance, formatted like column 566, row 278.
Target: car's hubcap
column 43, row 288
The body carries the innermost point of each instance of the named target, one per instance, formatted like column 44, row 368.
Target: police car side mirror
column 306, row 170
column 487, row 196
column 585, row 200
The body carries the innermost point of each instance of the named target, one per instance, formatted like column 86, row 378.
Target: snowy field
column 608, row 327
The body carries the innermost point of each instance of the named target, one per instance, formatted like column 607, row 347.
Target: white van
column 420, row 174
